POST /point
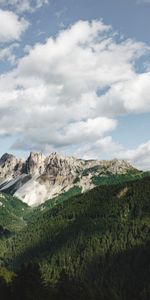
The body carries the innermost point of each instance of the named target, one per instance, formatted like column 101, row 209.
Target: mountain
column 39, row 178
column 91, row 246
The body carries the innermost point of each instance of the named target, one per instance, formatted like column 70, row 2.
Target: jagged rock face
column 57, row 165
column 10, row 167
column 35, row 164
column 40, row 178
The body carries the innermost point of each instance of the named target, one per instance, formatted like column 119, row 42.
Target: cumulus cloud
column 11, row 26
column 102, row 147
column 140, row 157
column 7, row 53
column 68, row 92
column 131, row 96
column 106, row 147
column 24, row 5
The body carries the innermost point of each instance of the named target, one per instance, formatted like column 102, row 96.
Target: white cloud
column 24, row 5
column 7, row 53
column 103, row 147
column 139, row 157
column 68, row 92
column 130, row 96
column 11, row 26
column 87, row 131
column 106, row 147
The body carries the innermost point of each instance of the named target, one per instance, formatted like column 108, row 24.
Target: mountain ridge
column 39, row 177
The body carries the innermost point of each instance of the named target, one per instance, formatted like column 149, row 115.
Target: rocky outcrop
column 35, row 164
column 40, row 178
column 10, row 167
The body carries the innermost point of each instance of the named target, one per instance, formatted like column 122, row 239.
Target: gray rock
column 39, row 178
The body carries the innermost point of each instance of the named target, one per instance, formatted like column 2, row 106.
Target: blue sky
column 75, row 78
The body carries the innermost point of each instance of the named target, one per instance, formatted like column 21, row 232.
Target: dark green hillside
column 93, row 246
column 109, row 179
column 74, row 191
column 12, row 212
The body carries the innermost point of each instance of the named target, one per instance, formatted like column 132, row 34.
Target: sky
column 75, row 78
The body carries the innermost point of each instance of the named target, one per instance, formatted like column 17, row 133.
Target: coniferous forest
column 92, row 246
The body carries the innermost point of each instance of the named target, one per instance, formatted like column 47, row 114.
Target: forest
column 92, row 246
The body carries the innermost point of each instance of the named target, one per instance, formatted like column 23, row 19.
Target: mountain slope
column 40, row 178
column 12, row 212
column 100, row 240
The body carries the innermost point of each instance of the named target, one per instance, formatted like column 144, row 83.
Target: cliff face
column 35, row 164
column 40, row 178
column 9, row 166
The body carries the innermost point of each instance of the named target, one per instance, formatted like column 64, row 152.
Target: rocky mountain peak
column 59, row 165
column 9, row 164
column 35, row 164
column 39, row 178
column 118, row 166
column 7, row 158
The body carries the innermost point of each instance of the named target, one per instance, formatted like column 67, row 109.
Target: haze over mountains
column 39, row 178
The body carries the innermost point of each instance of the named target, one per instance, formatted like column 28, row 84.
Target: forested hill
column 92, row 246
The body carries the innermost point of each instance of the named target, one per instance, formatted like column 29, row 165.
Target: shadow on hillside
column 124, row 276
column 85, row 222
column 108, row 276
